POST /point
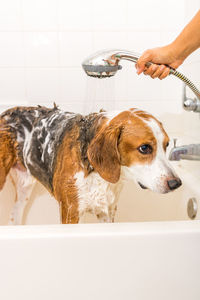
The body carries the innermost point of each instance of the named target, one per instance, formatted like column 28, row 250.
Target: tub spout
column 187, row 152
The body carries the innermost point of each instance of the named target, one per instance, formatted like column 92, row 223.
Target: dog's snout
column 174, row 183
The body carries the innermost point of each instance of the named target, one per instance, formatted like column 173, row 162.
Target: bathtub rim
column 101, row 230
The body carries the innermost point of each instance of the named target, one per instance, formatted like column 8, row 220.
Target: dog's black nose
column 174, row 184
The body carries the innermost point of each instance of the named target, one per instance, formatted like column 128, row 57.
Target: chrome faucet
column 190, row 104
column 187, row 152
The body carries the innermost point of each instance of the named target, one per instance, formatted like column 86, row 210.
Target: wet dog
column 82, row 161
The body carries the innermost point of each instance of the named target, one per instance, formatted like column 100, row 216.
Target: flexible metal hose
column 187, row 82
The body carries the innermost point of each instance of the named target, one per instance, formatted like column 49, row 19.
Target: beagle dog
column 82, row 161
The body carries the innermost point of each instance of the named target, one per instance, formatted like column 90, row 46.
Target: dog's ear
column 103, row 153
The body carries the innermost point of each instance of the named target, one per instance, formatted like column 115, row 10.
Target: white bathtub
column 136, row 260
column 140, row 261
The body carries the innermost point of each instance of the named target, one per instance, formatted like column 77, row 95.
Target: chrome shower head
column 106, row 63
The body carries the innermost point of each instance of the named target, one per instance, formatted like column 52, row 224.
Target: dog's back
column 34, row 134
column 49, row 145
column 18, row 121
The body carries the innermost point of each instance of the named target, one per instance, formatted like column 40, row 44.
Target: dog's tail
column 7, row 153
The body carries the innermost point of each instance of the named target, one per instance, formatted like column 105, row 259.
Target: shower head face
column 101, row 64
column 99, row 71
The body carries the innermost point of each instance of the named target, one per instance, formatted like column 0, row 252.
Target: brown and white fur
column 83, row 161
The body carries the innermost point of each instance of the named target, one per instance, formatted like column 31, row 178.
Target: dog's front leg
column 66, row 194
column 68, row 212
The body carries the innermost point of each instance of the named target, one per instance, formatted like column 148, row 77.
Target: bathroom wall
column 43, row 43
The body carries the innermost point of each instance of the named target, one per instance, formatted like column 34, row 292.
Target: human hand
column 159, row 57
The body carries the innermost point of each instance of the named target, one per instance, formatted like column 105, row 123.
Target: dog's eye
column 145, row 149
column 167, row 144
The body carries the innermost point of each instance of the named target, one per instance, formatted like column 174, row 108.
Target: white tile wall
column 39, row 15
column 155, row 15
column 73, row 47
column 12, row 86
column 42, row 85
column 41, row 49
column 75, row 15
column 110, row 40
column 10, row 15
column 71, row 85
column 43, row 42
column 109, row 15
column 12, row 52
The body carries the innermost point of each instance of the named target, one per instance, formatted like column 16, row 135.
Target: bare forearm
column 189, row 39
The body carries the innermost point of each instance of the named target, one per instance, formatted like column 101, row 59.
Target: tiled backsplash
column 43, row 43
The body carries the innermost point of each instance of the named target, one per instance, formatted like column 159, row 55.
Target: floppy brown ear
column 103, row 153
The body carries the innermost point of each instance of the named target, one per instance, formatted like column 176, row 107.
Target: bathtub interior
column 135, row 204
